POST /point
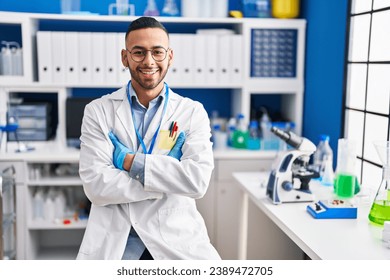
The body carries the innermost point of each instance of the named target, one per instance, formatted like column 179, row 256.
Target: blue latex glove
column 176, row 149
column 120, row 151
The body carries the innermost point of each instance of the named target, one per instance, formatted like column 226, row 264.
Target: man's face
column 148, row 73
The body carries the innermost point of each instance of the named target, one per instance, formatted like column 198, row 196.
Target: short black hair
column 145, row 22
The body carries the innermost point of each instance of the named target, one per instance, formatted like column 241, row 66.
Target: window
column 367, row 88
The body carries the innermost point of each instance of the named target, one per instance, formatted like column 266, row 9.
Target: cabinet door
column 206, row 207
column 266, row 241
column 55, row 211
column 228, row 202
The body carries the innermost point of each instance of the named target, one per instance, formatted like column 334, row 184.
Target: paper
column 165, row 142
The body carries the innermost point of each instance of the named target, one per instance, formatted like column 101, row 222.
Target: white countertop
column 52, row 151
column 328, row 239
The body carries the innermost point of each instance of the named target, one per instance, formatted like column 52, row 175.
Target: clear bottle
column 323, row 154
column 219, row 138
column 240, row 135
column 327, row 178
column 38, row 204
column 253, row 142
column 265, row 129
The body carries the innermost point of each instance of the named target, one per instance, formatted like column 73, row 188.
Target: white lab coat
column 163, row 211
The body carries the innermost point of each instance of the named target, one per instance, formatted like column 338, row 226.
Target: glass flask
column 380, row 209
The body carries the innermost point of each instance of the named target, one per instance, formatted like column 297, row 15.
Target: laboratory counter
column 326, row 239
column 55, row 151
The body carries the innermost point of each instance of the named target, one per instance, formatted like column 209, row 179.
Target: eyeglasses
column 158, row 54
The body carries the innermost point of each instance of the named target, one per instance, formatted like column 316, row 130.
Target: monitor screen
column 74, row 116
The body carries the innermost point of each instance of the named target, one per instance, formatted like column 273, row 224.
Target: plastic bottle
column 6, row 61
column 38, row 201
column 60, row 204
column 219, row 138
column 49, row 207
column 323, row 154
column 231, row 127
column 253, row 142
column 265, row 127
column 327, row 178
column 17, row 61
column 240, row 135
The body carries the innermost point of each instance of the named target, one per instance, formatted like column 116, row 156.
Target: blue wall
column 324, row 69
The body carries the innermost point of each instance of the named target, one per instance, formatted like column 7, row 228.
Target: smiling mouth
column 149, row 71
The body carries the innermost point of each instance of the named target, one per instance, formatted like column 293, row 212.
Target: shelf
column 94, row 17
column 58, row 253
column 21, row 83
column 9, row 255
column 43, row 225
column 56, row 181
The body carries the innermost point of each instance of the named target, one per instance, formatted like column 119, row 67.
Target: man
column 145, row 157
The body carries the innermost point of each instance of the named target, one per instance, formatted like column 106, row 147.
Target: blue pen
column 171, row 129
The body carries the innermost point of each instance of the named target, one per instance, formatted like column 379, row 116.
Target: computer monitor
column 74, row 116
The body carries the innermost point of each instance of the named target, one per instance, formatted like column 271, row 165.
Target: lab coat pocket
column 98, row 224
column 182, row 227
column 165, row 141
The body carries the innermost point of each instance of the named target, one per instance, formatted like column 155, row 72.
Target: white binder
column 187, row 58
column 224, row 54
column 174, row 73
column 200, row 49
column 124, row 73
column 98, row 58
column 85, row 55
column 45, row 70
column 71, row 58
column 211, row 59
column 58, row 56
column 237, row 58
column 112, row 58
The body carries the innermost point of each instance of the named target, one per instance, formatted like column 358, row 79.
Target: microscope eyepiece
column 289, row 137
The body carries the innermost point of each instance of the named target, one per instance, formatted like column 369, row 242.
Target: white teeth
column 148, row 72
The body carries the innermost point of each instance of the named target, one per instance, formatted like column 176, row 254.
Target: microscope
column 289, row 180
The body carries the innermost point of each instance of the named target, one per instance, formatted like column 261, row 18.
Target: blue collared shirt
column 142, row 119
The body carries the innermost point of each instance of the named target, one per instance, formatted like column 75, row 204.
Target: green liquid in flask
column 380, row 212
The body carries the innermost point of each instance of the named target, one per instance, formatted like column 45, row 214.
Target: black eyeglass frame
column 144, row 53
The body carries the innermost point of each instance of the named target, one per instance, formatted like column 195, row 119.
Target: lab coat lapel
column 171, row 109
column 154, row 125
column 156, row 121
column 123, row 113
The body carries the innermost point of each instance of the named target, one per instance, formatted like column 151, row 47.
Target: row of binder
column 85, row 58
column 81, row 58
column 206, row 59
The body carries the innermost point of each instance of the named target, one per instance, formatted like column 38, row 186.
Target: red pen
column 174, row 128
column 175, row 131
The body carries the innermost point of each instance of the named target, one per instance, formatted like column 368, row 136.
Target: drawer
column 30, row 110
column 225, row 168
column 32, row 122
column 30, row 135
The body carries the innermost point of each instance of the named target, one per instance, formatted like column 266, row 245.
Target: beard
column 148, row 83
